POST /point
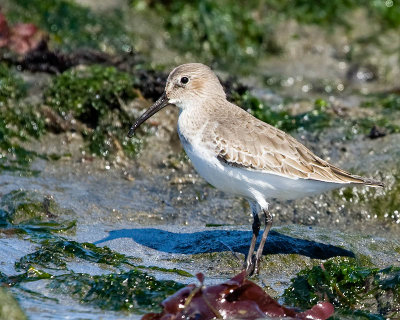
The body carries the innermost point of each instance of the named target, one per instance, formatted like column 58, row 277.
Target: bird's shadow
column 222, row 240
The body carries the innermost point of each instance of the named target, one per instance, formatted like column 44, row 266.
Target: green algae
column 278, row 261
column 18, row 123
column 179, row 272
column 9, row 307
column 21, row 121
column 316, row 119
column 349, row 286
column 54, row 253
column 89, row 93
column 12, row 87
column 324, row 12
column 72, row 25
column 22, row 212
column 133, row 291
column 220, row 31
column 42, row 228
column 386, row 107
column 33, row 216
column 389, row 102
column 95, row 96
column 32, row 274
column 327, row 13
column 227, row 32
column 20, row 206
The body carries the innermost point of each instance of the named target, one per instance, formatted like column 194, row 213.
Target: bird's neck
column 192, row 122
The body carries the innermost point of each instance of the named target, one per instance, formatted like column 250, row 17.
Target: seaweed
column 95, row 96
column 349, row 286
column 54, row 253
column 18, row 123
column 316, row 119
column 134, row 290
column 12, row 87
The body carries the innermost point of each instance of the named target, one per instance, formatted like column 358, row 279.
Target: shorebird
column 239, row 154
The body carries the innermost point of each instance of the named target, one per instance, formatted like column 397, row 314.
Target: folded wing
column 256, row 145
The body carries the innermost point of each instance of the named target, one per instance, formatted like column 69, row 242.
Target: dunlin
column 239, row 154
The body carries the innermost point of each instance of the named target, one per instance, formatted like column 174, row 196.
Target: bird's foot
column 252, row 266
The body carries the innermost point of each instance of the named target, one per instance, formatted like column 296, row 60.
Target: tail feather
column 371, row 182
column 352, row 178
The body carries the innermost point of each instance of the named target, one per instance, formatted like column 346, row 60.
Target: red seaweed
column 237, row 298
column 20, row 38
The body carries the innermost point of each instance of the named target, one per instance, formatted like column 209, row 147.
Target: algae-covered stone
column 88, row 93
column 22, row 206
column 94, row 95
column 133, row 291
column 18, row 123
column 9, row 307
column 349, row 286
column 55, row 253
column 11, row 85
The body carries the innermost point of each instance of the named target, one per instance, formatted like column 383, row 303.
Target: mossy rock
column 12, row 87
column 9, row 307
column 89, row 93
column 133, row 290
column 24, row 206
column 94, row 95
column 56, row 253
column 350, row 286
column 19, row 122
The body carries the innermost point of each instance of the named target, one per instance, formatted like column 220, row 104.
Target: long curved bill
column 157, row 106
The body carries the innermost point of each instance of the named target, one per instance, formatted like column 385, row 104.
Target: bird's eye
column 184, row 80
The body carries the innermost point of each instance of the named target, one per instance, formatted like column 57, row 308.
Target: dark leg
column 249, row 263
column 268, row 224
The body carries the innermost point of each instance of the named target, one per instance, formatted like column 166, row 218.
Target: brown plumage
column 256, row 145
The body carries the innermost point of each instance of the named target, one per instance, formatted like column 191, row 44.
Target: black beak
column 157, row 106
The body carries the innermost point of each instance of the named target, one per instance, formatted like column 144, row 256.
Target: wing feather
column 256, row 145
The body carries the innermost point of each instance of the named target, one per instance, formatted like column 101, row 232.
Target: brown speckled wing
column 255, row 145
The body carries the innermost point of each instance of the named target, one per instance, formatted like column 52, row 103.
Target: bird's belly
column 215, row 173
column 248, row 183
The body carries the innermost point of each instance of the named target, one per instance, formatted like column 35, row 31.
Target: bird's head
column 188, row 86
